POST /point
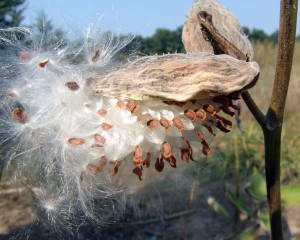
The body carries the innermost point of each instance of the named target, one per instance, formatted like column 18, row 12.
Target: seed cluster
column 201, row 115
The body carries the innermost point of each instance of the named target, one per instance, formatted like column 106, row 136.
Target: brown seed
column 96, row 56
column 143, row 116
column 190, row 114
column 120, row 103
column 102, row 112
column 227, row 110
column 209, row 129
column 147, row 161
column 24, row 55
column 99, row 139
column 138, row 152
column 172, row 161
column 130, row 106
column 190, row 149
column 116, row 166
column 200, row 113
column 220, row 126
column 106, row 126
column 167, row 150
column 43, row 63
column 138, row 155
column 95, row 167
column 75, row 142
column 165, row 123
column 178, row 123
column 153, row 123
column 226, row 123
column 19, row 114
column 205, row 148
column 138, row 170
column 136, row 109
column 210, row 109
column 185, row 155
column 200, row 135
column 73, row 86
column 222, row 100
column 159, row 165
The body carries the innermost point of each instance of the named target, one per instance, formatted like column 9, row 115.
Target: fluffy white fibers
column 67, row 144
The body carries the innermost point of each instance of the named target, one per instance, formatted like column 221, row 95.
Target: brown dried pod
column 178, row 77
column 75, row 142
column 226, row 23
column 19, row 114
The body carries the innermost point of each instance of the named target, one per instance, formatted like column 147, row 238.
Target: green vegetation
column 11, row 13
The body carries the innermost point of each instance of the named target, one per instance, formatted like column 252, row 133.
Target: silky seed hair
column 72, row 129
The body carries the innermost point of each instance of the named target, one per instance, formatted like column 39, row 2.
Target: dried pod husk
column 178, row 77
column 224, row 21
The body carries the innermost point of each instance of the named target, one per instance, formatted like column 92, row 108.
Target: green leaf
column 249, row 233
column 257, row 188
column 264, row 217
column 290, row 195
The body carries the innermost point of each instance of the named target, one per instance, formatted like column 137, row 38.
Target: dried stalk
column 271, row 123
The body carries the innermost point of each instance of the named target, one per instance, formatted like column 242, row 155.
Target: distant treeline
column 168, row 41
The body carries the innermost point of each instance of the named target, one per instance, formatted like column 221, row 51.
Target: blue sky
column 143, row 17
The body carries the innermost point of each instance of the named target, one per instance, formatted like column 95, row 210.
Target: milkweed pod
column 178, row 77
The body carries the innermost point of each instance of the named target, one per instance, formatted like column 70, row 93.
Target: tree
column 11, row 13
column 50, row 36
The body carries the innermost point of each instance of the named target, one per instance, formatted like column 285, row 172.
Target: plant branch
column 286, row 42
column 254, row 109
column 274, row 116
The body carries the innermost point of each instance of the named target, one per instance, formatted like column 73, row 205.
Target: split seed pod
column 178, row 77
